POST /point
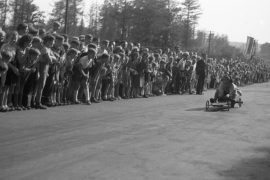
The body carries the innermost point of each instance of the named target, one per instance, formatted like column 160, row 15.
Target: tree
column 265, row 48
column 220, row 48
column 191, row 13
column 26, row 11
column 4, row 8
column 201, row 40
column 75, row 12
column 115, row 19
column 81, row 29
column 156, row 22
column 94, row 19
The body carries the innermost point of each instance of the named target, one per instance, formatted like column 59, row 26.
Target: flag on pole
column 251, row 46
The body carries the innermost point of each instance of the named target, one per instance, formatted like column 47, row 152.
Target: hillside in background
column 239, row 45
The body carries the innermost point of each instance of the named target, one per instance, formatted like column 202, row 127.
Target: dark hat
column 33, row 30
column 75, row 41
column 92, row 45
column 47, row 38
column 34, row 51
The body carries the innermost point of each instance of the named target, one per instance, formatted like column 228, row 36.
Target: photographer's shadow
column 250, row 169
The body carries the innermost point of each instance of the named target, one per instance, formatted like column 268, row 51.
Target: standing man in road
column 200, row 71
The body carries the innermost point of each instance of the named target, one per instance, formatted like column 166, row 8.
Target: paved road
column 161, row 138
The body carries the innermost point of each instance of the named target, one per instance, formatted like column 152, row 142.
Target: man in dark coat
column 200, row 71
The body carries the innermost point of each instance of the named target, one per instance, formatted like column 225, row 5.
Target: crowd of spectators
column 41, row 69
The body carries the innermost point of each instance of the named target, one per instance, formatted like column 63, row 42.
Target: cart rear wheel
column 207, row 104
column 228, row 105
column 240, row 102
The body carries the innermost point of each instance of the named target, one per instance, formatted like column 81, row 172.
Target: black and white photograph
column 134, row 90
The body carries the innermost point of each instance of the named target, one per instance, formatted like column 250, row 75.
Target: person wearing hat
column 103, row 47
column 88, row 39
column 96, row 76
column 41, row 33
column 75, row 43
column 32, row 30
column 201, row 71
column 83, row 47
column 22, row 29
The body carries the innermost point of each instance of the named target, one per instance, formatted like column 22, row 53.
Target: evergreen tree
column 74, row 14
column 94, row 19
column 4, row 8
column 25, row 11
column 191, row 12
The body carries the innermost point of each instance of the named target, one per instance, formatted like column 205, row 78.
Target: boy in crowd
column 103, row 47
column 75, row 44
column 5, row 58
column 99, row 73
column 88, row 39
column 22, row 29
column 46, row 58
column 29, row 74
column 21, row 55
column 71, row 56
column 59, row 53
column 80, row 75
column 2, row 37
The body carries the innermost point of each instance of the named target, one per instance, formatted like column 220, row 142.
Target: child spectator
column 2, row 37
column 80, row 75
column 21, row 56
column 22, row 29
column 46, row 58
column 29, row 74
column 5, row 58
column 67, row 75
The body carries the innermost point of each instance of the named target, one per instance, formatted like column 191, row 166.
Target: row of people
column 41, row 68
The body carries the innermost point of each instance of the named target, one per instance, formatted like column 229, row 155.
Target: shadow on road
column 209, row 110
column 196, row 109
column 250, row 169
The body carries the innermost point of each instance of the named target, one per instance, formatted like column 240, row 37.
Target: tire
column 240, row 102
column 207, row 104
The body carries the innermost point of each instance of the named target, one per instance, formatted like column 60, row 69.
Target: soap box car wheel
column 207, row 106
column 240, row 102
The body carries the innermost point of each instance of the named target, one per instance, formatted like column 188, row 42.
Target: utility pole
column 209, row 43
column 66, row 18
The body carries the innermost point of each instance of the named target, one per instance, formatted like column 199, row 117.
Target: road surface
column 160, row 138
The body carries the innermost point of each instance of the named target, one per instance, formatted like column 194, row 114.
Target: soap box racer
column 226, row 96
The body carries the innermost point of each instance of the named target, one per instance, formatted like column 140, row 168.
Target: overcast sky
column 235, row 18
